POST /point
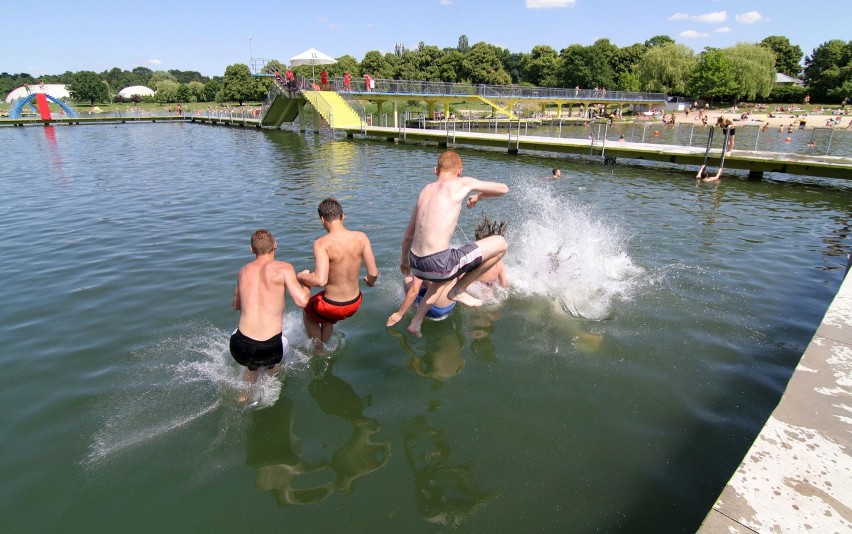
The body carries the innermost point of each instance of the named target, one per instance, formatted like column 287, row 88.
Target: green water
column 615, row 390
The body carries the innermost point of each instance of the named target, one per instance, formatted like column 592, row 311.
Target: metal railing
column 497, row 92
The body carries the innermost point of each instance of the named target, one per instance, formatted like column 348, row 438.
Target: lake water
column 614, row 389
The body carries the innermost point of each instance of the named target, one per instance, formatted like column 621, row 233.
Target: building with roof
column 783, row 79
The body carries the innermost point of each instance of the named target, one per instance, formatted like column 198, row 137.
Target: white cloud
column 547, row 4
column 716, row 17
column 750, row 18
column 723, row 29
column 692, row 34
column 446, row 2
column 154, row 62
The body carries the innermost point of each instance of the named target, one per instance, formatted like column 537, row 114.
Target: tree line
column 744, row 71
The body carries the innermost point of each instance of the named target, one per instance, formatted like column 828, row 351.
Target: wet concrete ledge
column 797, row 476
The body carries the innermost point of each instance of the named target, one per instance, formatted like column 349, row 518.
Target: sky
column 52, row 36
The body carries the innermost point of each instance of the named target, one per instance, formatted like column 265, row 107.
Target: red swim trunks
column 322, row 310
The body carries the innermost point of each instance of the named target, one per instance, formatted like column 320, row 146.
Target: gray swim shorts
column 447, row 264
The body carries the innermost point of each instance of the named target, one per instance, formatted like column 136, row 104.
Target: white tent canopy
column 312, row 57
column 140, row 90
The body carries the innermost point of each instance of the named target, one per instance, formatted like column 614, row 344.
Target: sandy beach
column 784, row 119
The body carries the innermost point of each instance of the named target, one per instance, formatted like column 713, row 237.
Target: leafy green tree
column 212, row 90
column 542, row 66
column 623, row 63
column 167, row 91
column 659, row 40
column 239, row 85
column 196, row 92
column 159, row 76
column 829, row 66
column 183, row 93
column 754, row 66
column 713, row 76
column 463, row 46
column 88, row 86
column 344, row 63
column 449, row 66
column 482, row 65
column 628, row 81
column 665, row 68
column 514, row 65
column 376, row 65
column 788, row 57
column 588, row 66
column 141, row 76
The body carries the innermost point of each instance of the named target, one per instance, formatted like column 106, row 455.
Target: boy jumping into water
column 425, row 246
column 259, row 296
column 338, row 255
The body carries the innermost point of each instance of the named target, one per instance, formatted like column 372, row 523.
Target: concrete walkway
column 797, row 476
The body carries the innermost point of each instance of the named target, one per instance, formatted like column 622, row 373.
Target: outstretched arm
column 407, row 301
column 299, row 294
column 318, row 278
column 485, row 190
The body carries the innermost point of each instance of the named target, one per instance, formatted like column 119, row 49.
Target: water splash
column 560, row 249
column 152, row 397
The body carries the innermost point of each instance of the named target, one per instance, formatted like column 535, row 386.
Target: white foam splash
column 561, row 250
column 156, row 397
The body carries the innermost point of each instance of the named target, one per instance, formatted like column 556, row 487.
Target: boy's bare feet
column 465, row 298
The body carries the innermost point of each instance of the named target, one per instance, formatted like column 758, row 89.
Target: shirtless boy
column 426, row 244
column 259, row 296
column 339, row 255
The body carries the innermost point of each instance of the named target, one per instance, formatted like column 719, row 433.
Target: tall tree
column 88, row 86
column 829, row 66
column 755, row 70
column 542, row 66
column 665, row 68
column 788, row 57
column 463, row 46
column 713, row 76
column 659, row 40
column 376, row 65
column 483, row 65
column 623, row 64
column 588, row 66
column 239, row 84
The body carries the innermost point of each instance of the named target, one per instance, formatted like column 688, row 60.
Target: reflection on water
column 446, row 491
column 440, row 356
column 276, row 453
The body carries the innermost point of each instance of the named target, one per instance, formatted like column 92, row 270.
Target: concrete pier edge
column 797, row 475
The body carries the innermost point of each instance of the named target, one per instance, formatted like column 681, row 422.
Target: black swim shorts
column 255, row 354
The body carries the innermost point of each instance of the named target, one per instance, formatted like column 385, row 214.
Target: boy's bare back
column 345, row 250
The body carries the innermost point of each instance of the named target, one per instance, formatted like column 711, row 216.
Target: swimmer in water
column 702, row 175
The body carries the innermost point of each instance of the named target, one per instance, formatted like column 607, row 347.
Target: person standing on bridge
column 727, row 126
column 323, row 80
column 347, row 81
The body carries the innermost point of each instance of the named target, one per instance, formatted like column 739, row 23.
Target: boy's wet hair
column 262, row 242
column 487, row 227
column 330, row 209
